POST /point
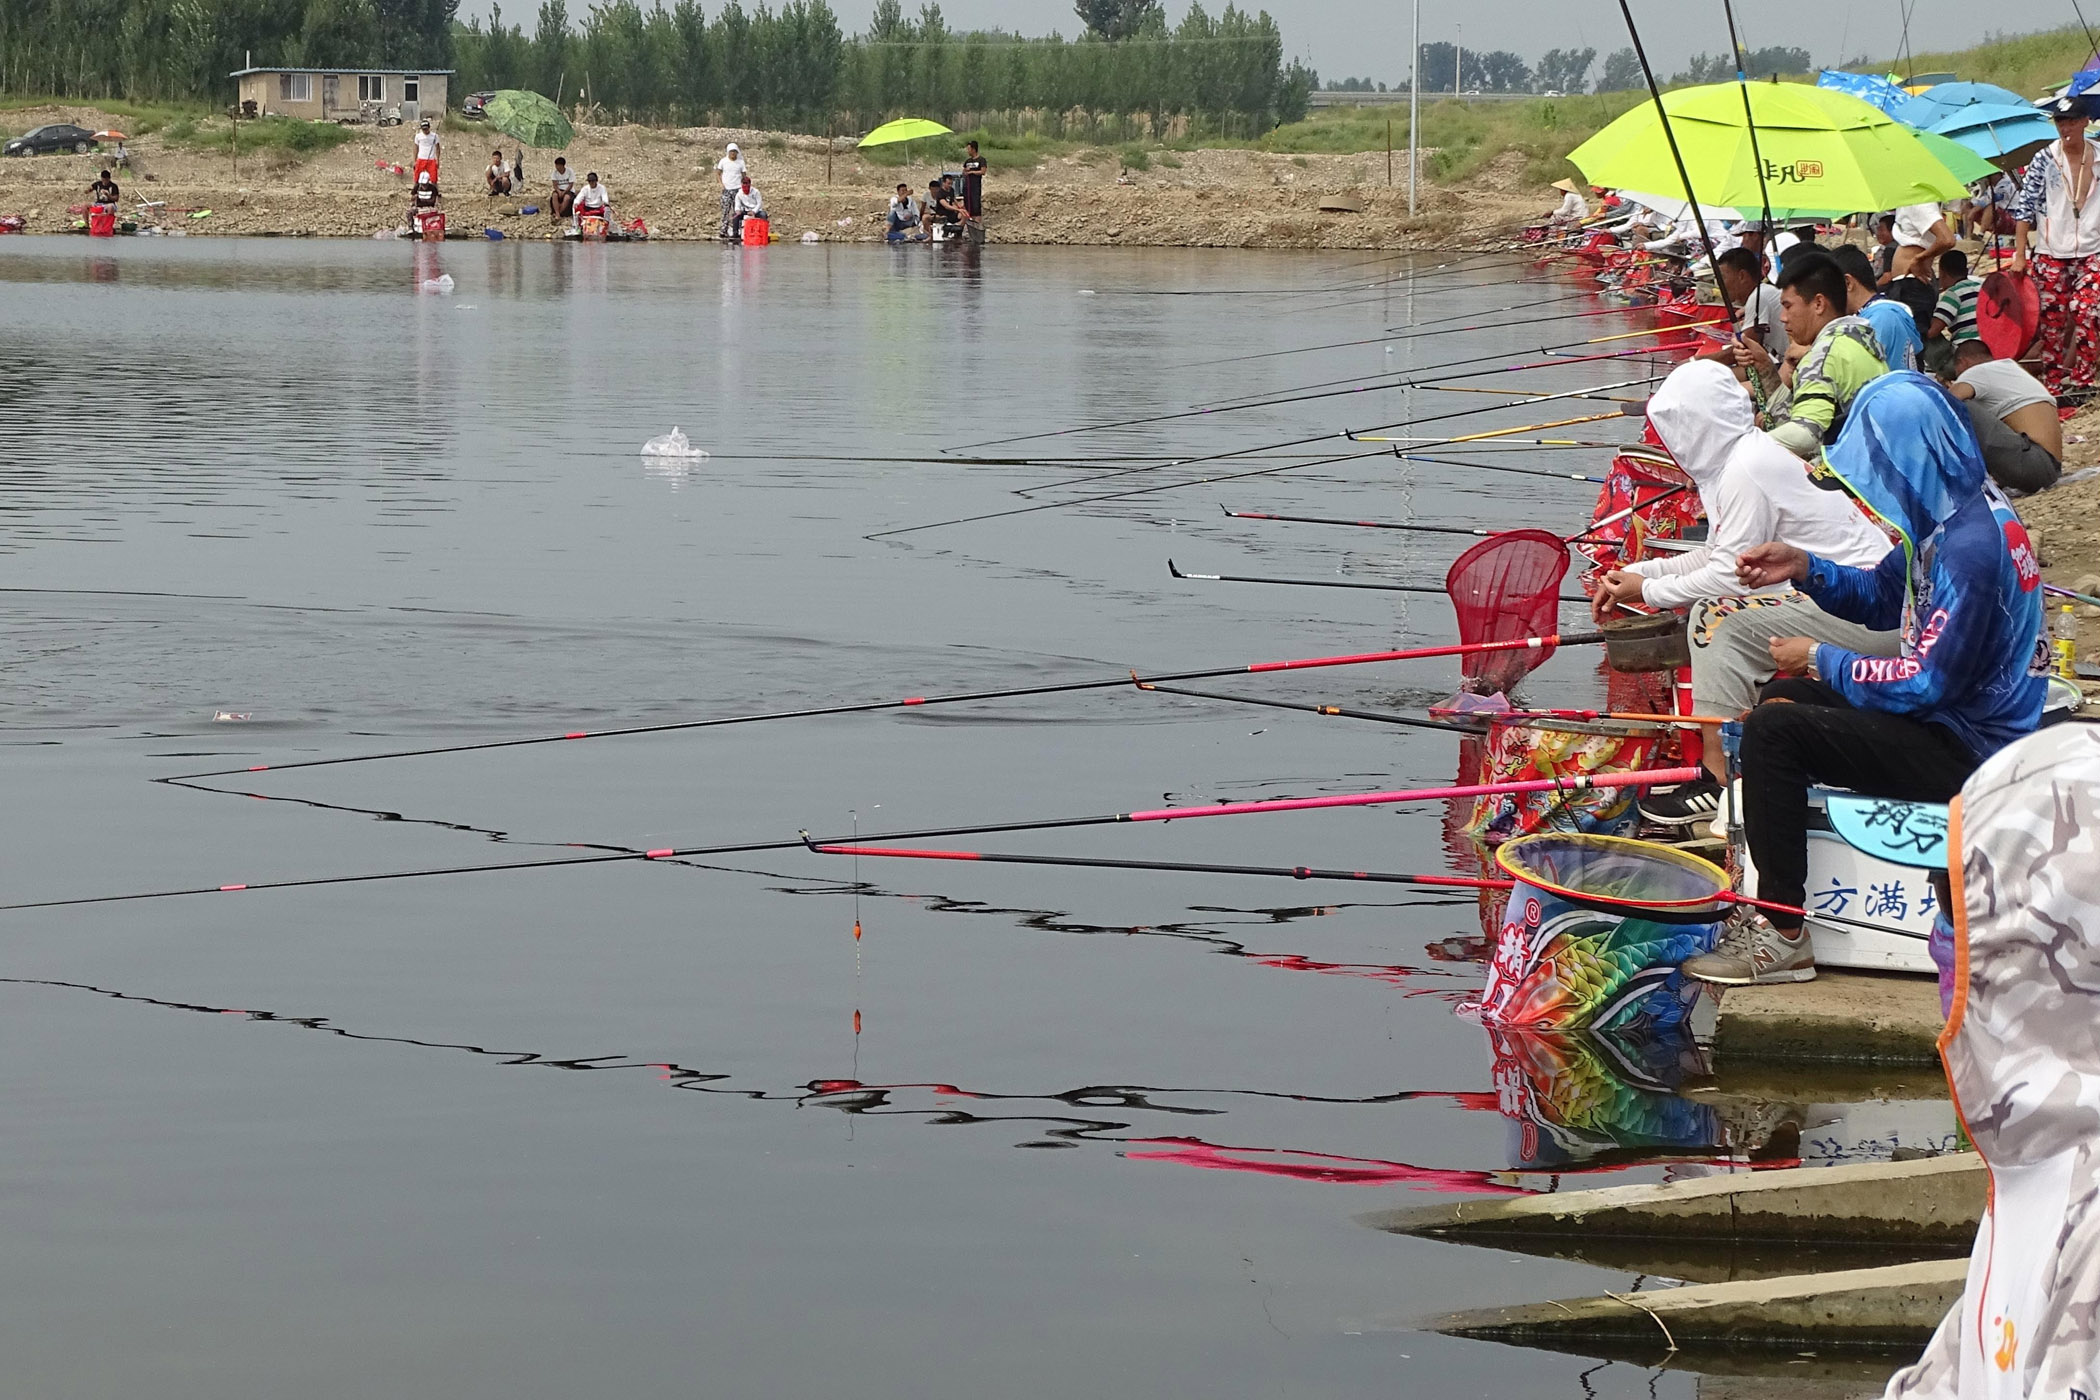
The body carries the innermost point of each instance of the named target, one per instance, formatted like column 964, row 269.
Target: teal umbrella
column 529, row 117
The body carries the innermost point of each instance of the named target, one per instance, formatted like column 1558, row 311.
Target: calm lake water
column 668, row 1130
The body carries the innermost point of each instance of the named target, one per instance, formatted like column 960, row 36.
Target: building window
column 409, row 90
column 295, row 87
column 371, row 88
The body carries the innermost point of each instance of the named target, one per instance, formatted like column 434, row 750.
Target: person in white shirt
column 427, row 148
column 732, row 169
column 1573, row 207
column 2059, row 207
column 593, row 199
column 1921, row 236
column 497, row 176
column 561, row 201
column 1754, row 490
column 748, row 203
column 2014, row 418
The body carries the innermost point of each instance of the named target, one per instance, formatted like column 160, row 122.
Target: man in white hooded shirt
column 2023, row 843
column 1754, row 490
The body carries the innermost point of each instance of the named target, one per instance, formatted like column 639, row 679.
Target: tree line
column 785, row 65
column 793, row 69
column 1567, row 71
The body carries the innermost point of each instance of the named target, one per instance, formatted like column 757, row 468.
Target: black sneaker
column 1687, row 804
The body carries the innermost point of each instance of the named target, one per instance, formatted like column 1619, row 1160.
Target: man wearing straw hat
column 1573, row 207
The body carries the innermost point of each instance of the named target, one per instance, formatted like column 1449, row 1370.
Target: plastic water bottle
column 2063, row 643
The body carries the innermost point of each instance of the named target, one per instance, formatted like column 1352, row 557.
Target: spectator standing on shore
column 732, row 169
column 561, row 199
column 428, row 147
column 974, row 166
column 1921, row 234
column 2059, row 209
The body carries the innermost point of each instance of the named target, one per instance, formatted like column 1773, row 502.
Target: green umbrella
column 1967, row 165
column 1822, row 149
column 904, row 129
column 530, row 118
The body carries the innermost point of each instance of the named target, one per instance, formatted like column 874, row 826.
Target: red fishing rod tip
column 577, row 734
column 661, row 854
column 913, row 700
column 229, row 889
column 260, row 768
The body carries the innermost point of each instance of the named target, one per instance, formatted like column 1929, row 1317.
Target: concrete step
column 1848, row 1017
column 1891, row 1308
column 1930, row 1205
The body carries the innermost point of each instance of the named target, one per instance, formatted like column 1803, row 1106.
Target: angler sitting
column 1965, row 587
column 903, row 218
column 941, row 211
column 1573, row 207
column 593, row 201
column 1754, row 490
column 1841, row 358
column 748, row 204
column 497, row 176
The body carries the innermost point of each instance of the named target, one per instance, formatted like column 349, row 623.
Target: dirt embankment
column 1209, row 198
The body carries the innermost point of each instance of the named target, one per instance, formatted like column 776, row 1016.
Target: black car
column 47, row 139
column 475, row 107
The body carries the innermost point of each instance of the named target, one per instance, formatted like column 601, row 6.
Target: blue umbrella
column 1875, row 92
column 1995, row 130
column 1970, row 94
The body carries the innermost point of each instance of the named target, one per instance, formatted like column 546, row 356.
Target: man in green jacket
column 1841, row 359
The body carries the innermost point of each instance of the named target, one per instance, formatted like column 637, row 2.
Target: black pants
column 1821, row 740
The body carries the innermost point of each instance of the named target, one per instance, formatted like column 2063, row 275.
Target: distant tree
column 1118, row 19
column 1564, row 70
column 1763, row 63
column 1622, row 71
column 1439, row 67
column 1706, row 68
column 1502, row 71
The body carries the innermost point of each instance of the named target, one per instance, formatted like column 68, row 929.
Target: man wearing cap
column 732, row 169
column 2059, row 208
column 1573, row 207
column 427, row 146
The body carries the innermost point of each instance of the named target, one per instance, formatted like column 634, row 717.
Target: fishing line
column 804, row 839
column 909, row 702
column 1524, row 399
column 1295, row 395
column 1425, row 330
column 1439, row 590
column 1713, row 258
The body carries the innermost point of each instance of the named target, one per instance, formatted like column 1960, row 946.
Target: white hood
column 1702, row 412
column 2022, row 1049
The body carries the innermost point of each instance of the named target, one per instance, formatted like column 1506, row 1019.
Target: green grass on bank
column 286, row 136
column 2029, row 64
column 1464, row 136
column 134, row 118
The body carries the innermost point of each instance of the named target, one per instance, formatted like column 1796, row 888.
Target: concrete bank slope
column 1930, row 1205
column 1894, row 1307
column 1841, row 1017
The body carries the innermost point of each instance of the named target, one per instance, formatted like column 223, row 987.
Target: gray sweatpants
column 1731, row 644
column 2015, row 461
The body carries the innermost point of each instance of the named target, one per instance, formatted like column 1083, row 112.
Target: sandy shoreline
column 1208, row 198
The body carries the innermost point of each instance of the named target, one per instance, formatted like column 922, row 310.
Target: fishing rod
column 1288, row 872
column 1557, row 353
column 1713, row 258
column 1757, row 156
column 1525, row 399
column 1438, row 589
column 1476, row 530
column 1475, row 727
column 915, row 702
column 1228, row 476
column 1441, row 270
column 1426, row 330
column 1295, row 396
column 1498, row 467
column 803, row 839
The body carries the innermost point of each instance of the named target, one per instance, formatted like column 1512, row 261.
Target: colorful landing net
column 1564, row 962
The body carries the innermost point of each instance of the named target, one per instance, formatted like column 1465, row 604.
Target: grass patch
column 776, row 143
column 1462, row 136
column 1170, row 160
column 284, row 136
column 1003, row 152
column 2029, row 64
column 1134, row 156
column 132, row 118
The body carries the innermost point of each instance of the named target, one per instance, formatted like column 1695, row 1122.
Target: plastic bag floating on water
column 440, row 285
column 674, row 444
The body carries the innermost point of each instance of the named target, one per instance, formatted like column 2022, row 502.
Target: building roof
column 347, row 72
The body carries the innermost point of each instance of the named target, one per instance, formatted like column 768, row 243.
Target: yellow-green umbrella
column 1821, row 150
column 904, row 129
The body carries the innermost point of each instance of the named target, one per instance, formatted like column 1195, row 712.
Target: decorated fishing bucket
column 1594, row 933
column 1522, row 750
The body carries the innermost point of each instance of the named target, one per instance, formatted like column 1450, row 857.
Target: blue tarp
column 1875, row 92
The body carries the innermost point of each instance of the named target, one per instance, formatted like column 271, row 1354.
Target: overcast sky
column 1369, row 38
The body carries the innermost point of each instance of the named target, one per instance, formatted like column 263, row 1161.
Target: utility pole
column 1458, row 63
column 1414, row 110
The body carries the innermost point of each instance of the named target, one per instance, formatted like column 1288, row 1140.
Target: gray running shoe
column 1753, row 952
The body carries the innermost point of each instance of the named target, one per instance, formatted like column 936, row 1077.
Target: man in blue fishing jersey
column 1964, row 586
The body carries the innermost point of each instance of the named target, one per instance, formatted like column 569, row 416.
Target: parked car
column 46, row 139
column 474, row 109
